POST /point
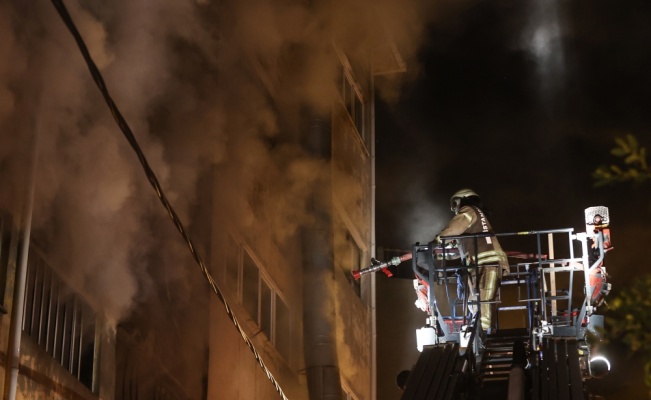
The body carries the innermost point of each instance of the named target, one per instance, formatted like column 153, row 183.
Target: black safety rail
column 558, row 373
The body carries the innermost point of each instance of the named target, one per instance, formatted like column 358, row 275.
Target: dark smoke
column 199, row 84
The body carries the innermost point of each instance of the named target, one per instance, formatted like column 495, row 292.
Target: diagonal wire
column 153, row 180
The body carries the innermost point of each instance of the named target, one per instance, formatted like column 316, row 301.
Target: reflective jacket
column 471, row 219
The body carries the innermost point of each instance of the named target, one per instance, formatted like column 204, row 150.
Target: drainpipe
column 373, row 251
column 319, row 324
column 16, row 323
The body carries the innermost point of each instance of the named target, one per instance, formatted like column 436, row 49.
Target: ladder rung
column 513, row 282
column 512, row 308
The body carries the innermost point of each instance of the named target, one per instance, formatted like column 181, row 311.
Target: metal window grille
column 59, row 320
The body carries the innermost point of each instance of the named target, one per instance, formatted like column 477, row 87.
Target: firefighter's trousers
column 487, row 288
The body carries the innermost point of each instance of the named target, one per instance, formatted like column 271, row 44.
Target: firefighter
column 470, row 217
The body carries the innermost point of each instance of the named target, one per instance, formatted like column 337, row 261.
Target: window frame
column 272, row 295
column 352, row 97
column 5, row 245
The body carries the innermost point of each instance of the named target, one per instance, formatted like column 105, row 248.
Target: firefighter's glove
column 448, row 243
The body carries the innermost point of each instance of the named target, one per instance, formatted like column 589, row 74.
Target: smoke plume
column 543, row 39
column 199, row 83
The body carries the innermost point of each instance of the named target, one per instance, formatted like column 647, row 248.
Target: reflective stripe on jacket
column 469, row 220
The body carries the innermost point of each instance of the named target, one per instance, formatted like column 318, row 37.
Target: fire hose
column 377, row 265
column 395, row 261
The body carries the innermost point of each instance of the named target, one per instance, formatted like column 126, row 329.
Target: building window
column 250, row 286
column 282, row 327
column 59, row 320
column 5, row 241
column 132, row 381
column 232, row 270
column 353, row 260
column 266, row 308
column 258, row 295
column 352, row 98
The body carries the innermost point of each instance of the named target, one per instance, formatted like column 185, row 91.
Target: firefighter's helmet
column 459, row 196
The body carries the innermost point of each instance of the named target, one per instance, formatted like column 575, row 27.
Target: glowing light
column 599, row 366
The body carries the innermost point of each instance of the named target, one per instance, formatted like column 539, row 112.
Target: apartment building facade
column 284, row 315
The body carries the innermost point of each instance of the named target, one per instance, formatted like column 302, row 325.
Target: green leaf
column 647, row 373
column 631, row 159
column 632, row 167
column 632, row 142
column 619, row 152
column 616, row 303
column 622, row 144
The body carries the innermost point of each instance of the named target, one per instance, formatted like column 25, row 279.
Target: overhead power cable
column 153, row 180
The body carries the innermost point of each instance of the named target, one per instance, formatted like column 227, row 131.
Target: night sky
column 521, row 104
